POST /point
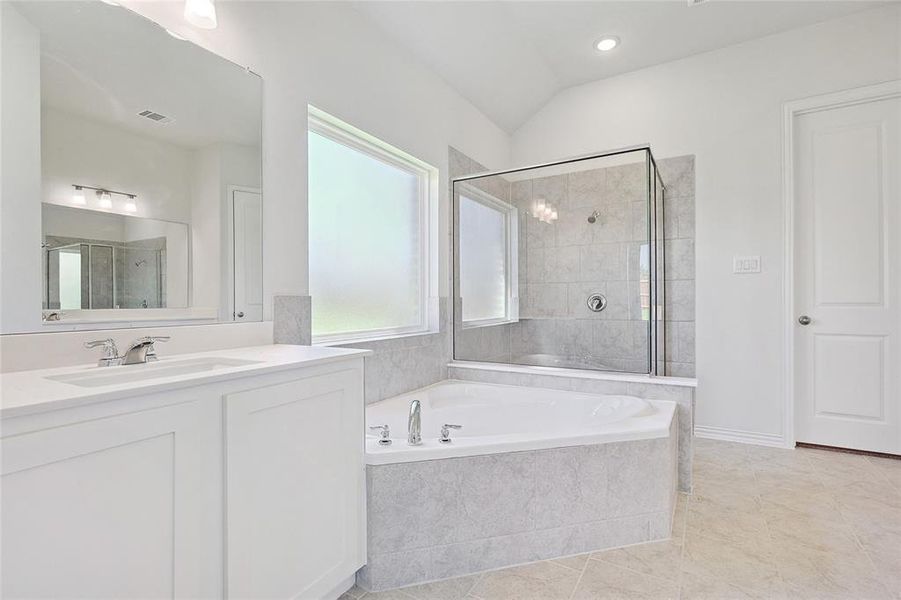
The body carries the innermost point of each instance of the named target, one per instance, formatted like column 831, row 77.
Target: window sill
column 374, row 338
column 488, row 323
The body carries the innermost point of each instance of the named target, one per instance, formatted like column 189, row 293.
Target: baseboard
column 739, row 436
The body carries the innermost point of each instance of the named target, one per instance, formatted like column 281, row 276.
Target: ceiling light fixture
column 131, row 205
column 606, row 43
column 201, row 13
column 104, row 199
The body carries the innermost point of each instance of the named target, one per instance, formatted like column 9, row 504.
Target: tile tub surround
column 435, row 519
column 678, row 390
column 291, row 320
column 762, row 523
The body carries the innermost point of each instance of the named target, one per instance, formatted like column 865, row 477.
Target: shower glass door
column 556, row 265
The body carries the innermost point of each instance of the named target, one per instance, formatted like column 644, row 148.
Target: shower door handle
column 804, row 320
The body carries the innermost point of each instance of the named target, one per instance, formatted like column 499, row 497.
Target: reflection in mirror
column 150, row 168
column 96, row 260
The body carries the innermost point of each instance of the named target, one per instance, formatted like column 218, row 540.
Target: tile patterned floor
column 760, row 523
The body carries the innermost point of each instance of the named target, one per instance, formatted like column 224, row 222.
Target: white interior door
column 248, row 255
column 847, row 282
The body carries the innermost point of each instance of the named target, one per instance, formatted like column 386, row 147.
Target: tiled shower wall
column 562, row 263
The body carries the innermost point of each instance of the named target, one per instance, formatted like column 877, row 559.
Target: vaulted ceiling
column 510, row 58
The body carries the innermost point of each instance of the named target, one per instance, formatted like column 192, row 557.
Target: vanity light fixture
column 110, row 2
column 78, row 196
column 201, row 13
column 104, row 197
column 544, row 211
column 606, row 43
column 105, row 200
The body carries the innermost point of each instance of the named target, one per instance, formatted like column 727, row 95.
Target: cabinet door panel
column 114, row 507
column 294, row 471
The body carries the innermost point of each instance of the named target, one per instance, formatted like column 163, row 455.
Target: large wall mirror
column 151, row 203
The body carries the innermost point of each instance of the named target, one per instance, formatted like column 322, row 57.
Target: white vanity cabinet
column 248, row 487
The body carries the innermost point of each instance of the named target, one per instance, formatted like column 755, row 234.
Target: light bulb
column 201, row 13
column 131, row 205
column 105, row 200
column 554, row 215
column 78, row 196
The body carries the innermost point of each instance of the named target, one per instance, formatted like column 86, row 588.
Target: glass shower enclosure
column 562, row 264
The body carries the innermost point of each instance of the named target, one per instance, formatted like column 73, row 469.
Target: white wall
column 78, row 150
column 20, row 172
column 725, row 107
column 329, row 55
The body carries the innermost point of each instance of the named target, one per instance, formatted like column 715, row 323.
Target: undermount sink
column 102, row 376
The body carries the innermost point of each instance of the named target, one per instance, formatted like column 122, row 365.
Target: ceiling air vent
column 155, row 117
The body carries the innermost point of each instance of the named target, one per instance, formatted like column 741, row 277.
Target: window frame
column 334, row 129
column 511, row 261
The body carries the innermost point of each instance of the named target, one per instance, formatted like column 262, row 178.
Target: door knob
column 240, row 315
column 804, row 320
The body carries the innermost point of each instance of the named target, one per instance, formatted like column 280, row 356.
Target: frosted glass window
column 368, row 241
column 485, row 260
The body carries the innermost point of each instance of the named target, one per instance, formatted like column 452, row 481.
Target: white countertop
column 29, row 392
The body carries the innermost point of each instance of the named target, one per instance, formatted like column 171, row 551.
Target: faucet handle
column 384, row 434
column 150, row 340
column 445, row 432
column 110, row 351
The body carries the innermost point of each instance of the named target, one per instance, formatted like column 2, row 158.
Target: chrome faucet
column 142, row 351
column 414, row 424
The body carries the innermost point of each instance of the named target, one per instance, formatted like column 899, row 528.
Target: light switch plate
column 742, row 265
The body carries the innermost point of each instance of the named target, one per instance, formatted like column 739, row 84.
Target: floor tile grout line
column 579, row 580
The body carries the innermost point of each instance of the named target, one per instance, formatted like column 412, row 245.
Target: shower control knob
column 597, row 302
column 384, row 434
column 240, row 314
column 804, row 320
column 445, row 432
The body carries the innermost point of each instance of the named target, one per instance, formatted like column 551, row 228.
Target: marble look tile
column 604, row 580
column 828, row 573
column 587, row 189
column 659, row 559
column 639, row 482
column 705, row 588
column 576, row 562
column 680, row 258
column 543, row 300
column 448, row 589
column 521, row 194
column 613, row 225
column 458, row 163
column 552, row 189
column 627, row 183
column 678, row 174
column 603, row 262
column 538, row 581
column 575, row 481
column 387, row 595
column 291, row 318
column 573, row 228
column 744, row 562
column 680, row 300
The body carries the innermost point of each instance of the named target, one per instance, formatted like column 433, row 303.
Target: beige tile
column 789, row 526
column 744, row 562
column 576, row 562
column 354, row 592
column 388, row 595
column 659, row 559
column 816, row 573
column 680, row 516
column 449, row 589
column 890, row 468
column 536, row 581
column 712, row 518
column 604, row 580
column 700, row 588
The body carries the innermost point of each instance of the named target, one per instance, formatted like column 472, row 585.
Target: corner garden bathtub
column 533, row 474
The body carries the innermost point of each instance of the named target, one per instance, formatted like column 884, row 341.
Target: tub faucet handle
column 384, row 434
column 445, row 432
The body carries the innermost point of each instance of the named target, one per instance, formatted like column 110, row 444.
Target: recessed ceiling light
column 201, row 13
column 606, row 43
